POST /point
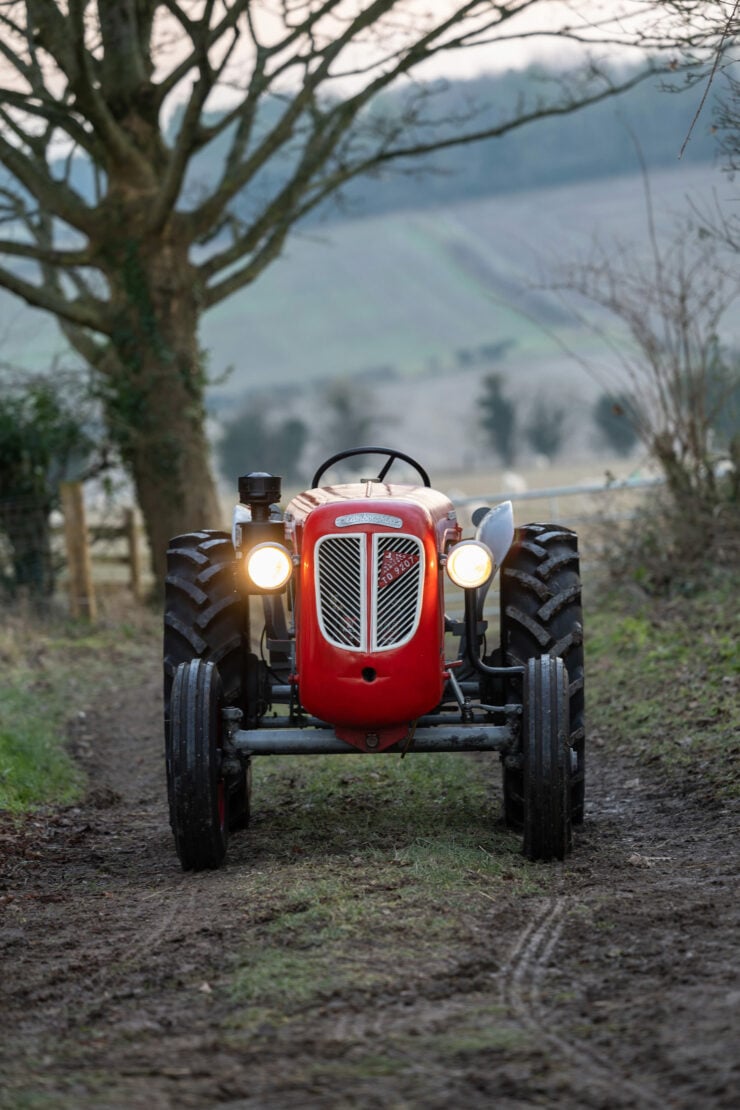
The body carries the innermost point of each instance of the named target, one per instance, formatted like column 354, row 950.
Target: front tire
column 198, row 793
column 541, row 614
column 546, row 756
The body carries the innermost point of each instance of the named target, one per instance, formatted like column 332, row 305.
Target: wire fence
column 569, row 505
column 28, row 559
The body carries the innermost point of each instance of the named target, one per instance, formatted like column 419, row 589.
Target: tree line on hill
column 262, row 436
column 598, row 142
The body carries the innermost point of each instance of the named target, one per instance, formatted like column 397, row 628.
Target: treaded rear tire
column 205, row 618
column 541, row 614
column 199, row 797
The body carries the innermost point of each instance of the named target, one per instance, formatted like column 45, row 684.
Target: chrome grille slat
column 397, row 602
column 341, row 590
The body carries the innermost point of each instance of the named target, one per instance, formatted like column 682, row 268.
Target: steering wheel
column 392, row 456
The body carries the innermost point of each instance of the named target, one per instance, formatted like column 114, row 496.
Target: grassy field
column 52, row 669
column 379, row 851
column 408, row 290
column 411, row 289
column 664, row 685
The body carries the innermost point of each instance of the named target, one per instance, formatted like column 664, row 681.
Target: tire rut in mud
column 524, row 990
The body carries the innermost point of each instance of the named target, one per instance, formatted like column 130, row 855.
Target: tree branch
column 86, row 88
column 318, row 150
column 89, row 313
column 234, row 177
column 180, row 71
column 269, row 251
column 65, row 259
column 497, row 130
column 186, row 141
column 58, row 197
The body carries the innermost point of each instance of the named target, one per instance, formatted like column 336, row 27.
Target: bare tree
column 351, row 418
column 127, row 94
column 671, row 301
column 546, row 426
column 706, row 33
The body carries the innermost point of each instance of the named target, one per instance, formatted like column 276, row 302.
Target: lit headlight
column 269, row 566
column 470, row 564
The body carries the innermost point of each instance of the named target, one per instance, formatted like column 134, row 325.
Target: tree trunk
column 170, row 464
column 155, row 394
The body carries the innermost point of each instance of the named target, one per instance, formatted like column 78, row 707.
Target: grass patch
column 34, row 767
column 51, row 671
column 375, row 877
column 384, row 866
column 664, row 680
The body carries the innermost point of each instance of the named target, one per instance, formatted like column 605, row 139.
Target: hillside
column 410, row 291
column 437, row 296
column 422, row 304
column 366, row 301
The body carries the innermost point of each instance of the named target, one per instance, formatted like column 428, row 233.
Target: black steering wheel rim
column 390, row 452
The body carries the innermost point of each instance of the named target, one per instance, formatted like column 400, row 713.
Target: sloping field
column 420, row 305
column 412, row 289
column 408, row 290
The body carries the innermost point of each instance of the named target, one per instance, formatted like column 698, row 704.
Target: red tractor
column 353, row 649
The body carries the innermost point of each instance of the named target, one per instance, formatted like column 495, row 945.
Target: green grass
column 663, row 681
column 379, row 861
column 34, row 767
column 52, row 669
column 409, row 289
column 376, row 877
column 369, row 871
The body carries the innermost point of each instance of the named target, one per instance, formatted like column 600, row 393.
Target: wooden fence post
column 81, row 596
column 132, row 542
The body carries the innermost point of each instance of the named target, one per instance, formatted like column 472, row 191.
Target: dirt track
column 615, row 984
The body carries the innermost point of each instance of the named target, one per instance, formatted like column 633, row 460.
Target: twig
column 718, row 55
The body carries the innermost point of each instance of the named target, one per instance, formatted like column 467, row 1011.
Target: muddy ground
column 613, row 981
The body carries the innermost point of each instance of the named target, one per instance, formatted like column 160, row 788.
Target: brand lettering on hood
column 368, row 518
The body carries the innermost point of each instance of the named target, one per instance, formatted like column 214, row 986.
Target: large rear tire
column 541, row 614
column 546, row 755
column 205, row 618
column 198, row 793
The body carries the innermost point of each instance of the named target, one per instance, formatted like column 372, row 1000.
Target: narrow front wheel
column 198, row 795
column 546, row 755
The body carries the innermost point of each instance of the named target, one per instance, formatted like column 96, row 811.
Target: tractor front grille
column 369, row 589
column 340, row 586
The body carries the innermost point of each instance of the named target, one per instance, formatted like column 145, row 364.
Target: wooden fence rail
column 84, row 563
